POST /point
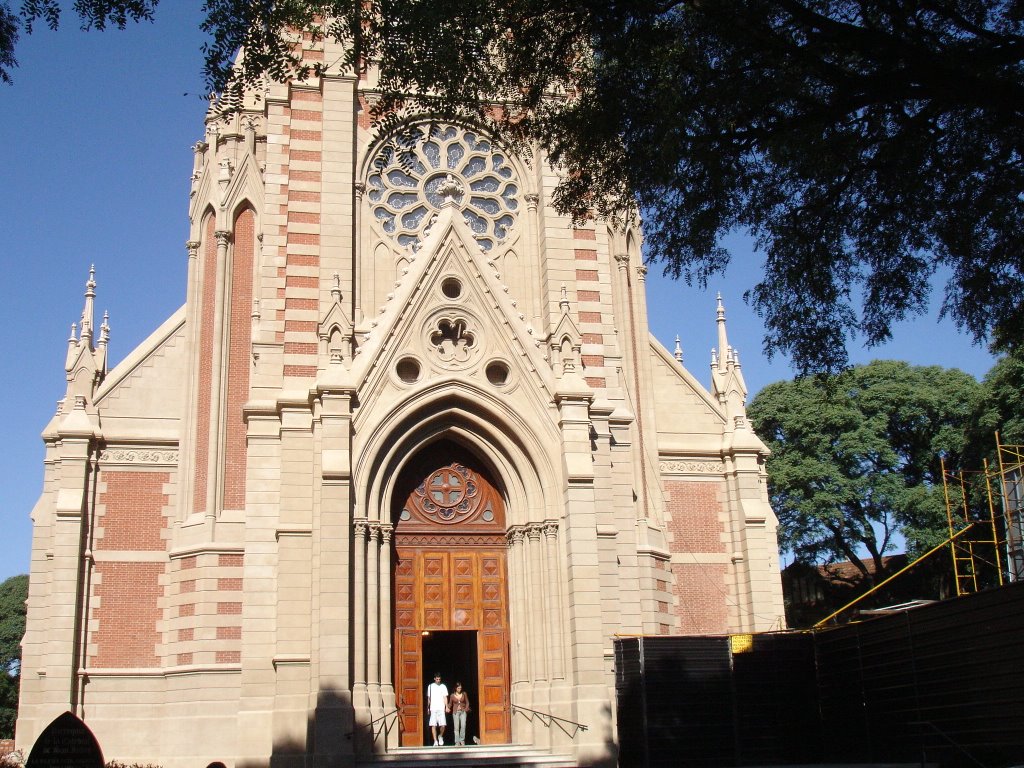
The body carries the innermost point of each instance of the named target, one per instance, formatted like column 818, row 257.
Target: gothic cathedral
column 409, row 420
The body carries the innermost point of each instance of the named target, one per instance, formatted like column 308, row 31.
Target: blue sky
column 97, row 131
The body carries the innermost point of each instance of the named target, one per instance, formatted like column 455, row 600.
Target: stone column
column 373, row 622
column 539, row 629
column 583, row 608
column 387, row 687
column 360, row 701
column 556, row 610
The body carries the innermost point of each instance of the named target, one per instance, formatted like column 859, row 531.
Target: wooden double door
column 451, row 596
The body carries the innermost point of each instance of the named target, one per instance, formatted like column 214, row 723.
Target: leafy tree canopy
column 856, row 458
column 13, row 593
column 1001, row 407
column 864, row 144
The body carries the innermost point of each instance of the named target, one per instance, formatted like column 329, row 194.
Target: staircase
column 478, row 756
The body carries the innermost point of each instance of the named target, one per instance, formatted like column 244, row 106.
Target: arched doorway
column 450, row 590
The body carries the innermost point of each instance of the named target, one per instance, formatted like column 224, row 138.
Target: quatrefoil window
column 408, row 185
column 453, row 342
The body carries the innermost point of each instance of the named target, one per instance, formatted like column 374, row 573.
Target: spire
column 678, row 354
column 101, row 351
column 723, row 339
column 72, row 347
column 726, row 378
column 87, row 312
column 564, row 301
column 86, row 363
column 336, row 288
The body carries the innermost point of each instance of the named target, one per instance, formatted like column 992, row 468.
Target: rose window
column 409, row 185
column 449, row 494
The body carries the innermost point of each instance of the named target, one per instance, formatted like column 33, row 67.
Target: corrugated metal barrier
column 941, row 684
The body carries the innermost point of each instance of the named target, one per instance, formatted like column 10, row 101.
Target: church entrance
column 450, row 593
column 454, row 656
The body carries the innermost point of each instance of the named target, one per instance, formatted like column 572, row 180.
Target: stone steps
column 475, row 756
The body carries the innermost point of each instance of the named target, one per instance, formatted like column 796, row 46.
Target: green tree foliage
column 864, row 144
column 856, row 458
column 1001, row 406
column 13, row 593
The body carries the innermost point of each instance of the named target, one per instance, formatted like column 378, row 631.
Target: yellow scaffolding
column 1011, row 491
column 968, row 553
column 971, row 555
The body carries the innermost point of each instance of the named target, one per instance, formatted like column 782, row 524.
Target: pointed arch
column 505, row 442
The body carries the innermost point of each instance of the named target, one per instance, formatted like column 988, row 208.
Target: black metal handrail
column 948, row 738
column 382, row 719
column 549, row 718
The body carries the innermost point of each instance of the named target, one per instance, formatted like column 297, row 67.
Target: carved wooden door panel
column 450, row 575
column 492, row 650
column 410, row 673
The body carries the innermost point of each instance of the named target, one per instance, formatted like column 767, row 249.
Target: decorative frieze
column 696, row 467
column 454, row 540
column 139, row 456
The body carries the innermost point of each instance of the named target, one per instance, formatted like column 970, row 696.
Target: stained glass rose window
column 406, row 188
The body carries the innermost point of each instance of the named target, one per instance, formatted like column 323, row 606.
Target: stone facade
column 229, row 563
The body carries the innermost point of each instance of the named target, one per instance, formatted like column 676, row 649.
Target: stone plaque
column 67, row 742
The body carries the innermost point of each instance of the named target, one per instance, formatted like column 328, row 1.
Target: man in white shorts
column 437, row 706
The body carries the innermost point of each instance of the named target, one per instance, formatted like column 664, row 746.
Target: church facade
column 409, row 420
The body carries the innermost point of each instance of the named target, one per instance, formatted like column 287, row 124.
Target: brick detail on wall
column 207, row 298
column 701, row 597
column 302, row 233
column 127, row 598
column 239, row 335
column 695, row 527
column 131, row 511
column 695, row 524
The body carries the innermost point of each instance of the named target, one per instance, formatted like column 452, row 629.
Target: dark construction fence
column 943, row 684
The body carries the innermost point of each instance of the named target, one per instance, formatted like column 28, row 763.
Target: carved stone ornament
column 139, row 456
column 453, row 342
column 691, row 467
column 453, row 339
column 449, row 495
